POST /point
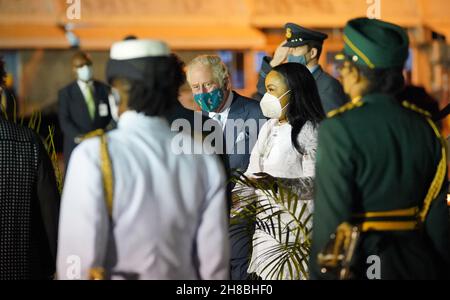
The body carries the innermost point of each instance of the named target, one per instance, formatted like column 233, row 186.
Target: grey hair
column 218, row 68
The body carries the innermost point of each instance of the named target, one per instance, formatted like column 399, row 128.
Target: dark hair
column 304, row 103
column 317, row 45
column 386, row 81
column 130, row 37
column 81, row 55
column 2, row 72
column 159, row 92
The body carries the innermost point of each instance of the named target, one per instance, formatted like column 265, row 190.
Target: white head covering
column 133, row 58
column 133, row 49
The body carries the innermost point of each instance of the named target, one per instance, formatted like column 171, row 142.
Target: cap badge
column 288, row 33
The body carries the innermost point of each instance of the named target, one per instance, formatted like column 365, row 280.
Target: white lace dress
column 275, row 154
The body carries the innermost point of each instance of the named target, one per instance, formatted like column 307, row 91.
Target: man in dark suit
column 83, row 104
column 241, row 119
column 304, row 46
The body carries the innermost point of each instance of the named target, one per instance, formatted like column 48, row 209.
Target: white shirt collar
column 83, row 84
column 225, row 111
column 313, row 68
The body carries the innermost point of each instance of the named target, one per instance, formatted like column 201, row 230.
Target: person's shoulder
column 417, row 111
column 245, row 100
column 310, row 129
column 325, row 77
column 88, row 149
column 101, row 84
column 345, row 110
column 17, row 132
column 251, row 105
column 65, row 90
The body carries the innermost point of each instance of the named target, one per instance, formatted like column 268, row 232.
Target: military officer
column 304, row 46
column 381, row 166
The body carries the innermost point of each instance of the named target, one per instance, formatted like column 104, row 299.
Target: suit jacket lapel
column 237, row 111
column 97, row 100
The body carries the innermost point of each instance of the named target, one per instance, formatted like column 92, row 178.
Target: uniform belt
column 393, row 220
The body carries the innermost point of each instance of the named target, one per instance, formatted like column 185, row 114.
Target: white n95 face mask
column 85, row 73
column 271, row 106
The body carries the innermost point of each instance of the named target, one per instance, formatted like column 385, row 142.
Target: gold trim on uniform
column 344, row 108
column 432, row 194
column 408, row 212
column 413, row 107
column 288, row 33
column 106, row 167
column 98, row 273
column 359, row 52
column 389, row 226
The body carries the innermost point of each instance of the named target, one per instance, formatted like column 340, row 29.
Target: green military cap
column 375, row 44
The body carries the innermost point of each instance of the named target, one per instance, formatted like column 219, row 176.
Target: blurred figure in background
column 83, row 104
column 9, row 105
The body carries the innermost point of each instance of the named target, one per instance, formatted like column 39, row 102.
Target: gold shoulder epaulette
column 417, row 109
column 93, row 134
column 90, row 135
column 344, row 108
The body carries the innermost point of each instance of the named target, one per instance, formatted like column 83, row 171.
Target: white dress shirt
column 169, row 211
column 83, row 87
column 223, row 115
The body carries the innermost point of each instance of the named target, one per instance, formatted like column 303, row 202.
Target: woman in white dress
column 286, row 148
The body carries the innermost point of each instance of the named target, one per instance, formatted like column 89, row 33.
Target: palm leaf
column 289, row 255
column 35, row 124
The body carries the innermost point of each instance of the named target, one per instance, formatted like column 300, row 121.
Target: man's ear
column 227, row 83
column 314, row 52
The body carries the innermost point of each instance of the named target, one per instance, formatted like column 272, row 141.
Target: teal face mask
column 298, row 59
column 209, row 102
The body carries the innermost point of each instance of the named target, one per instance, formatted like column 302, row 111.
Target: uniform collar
column 377, row 98
column 313, row 69
column 135, row 120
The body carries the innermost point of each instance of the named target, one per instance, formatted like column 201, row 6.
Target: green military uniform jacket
column 375, row 156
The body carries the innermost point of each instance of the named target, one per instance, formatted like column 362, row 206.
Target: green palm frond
column 53, row 156
column 290, row 242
